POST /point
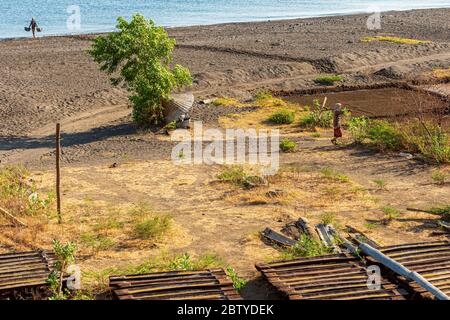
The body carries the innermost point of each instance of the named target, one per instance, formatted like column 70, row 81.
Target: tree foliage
column 139, row 56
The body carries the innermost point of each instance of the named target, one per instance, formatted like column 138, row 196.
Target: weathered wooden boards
column 211, row 284
column 344, row 277
column 431, row 260
column 24, row 270
column 330, row 277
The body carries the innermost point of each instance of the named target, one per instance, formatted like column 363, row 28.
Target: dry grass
column 396, row 40
column 227, row 102
column 268, row 106
column 441, row 74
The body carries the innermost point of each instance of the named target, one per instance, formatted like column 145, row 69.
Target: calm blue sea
column 100, row 15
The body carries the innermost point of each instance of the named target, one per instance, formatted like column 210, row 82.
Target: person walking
column 337, row 113
column 33, row 26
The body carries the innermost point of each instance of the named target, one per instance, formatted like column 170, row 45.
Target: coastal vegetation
column 424, row 137
column 328, row 80
column 287, row 145
column 318, row 116
column 139, row 56
column 396, row 40
column 282, row 117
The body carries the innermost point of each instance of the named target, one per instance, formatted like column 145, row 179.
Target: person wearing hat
column 337, row 112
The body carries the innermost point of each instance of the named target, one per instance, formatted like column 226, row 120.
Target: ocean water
column 100, row 15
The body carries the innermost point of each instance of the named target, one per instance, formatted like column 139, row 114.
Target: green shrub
column 358, row 128
column 152, row 228
column 65, row 255
column 328, row 218
column 307, row 247
column 328, row 80
column 139, row 56
column 385, row 136
column 287, row 145
column 282, row 117
column 439, row 177
column 238, row 283
column 19, row 194
column 428, row 139
column 318, row 117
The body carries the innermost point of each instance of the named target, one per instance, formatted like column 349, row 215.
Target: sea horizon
column 87, row 18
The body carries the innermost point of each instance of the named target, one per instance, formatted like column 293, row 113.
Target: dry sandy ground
column 53, row 79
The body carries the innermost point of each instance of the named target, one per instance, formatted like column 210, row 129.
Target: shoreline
column 237, row 23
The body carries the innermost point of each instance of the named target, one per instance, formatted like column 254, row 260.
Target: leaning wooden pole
column 13, row 219
column 402, row 270
column 58, row 172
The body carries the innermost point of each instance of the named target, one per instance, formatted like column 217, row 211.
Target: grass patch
column 282, row 117
column 380, row 183
column 97, row 242
column 287, row 145
column 439, row 177
column 371, row 225
column 328, row 218
column 390, row 213
column 396, row 40
column 441, row 73
column 265, row 100
column 331, row 174
column 328, row 80
column 184, row 262
column 443, row 211
column 238, row 176
column 226, row 102
column 152, row 228
column 306, row 247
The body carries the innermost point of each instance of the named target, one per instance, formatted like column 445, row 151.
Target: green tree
column 139, row 56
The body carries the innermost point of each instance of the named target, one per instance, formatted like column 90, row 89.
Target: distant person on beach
column 33, row 26
column 337, row 113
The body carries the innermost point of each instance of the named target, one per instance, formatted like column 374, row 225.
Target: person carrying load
column 34, row 27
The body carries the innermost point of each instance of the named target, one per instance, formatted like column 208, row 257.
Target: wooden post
column 58, row 172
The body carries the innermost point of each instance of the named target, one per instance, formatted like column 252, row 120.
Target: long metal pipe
column 402, row 270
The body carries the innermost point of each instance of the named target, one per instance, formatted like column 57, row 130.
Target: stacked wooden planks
column 330, row 277
column 431, row 260
column 211, row 284
column 24, row 270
